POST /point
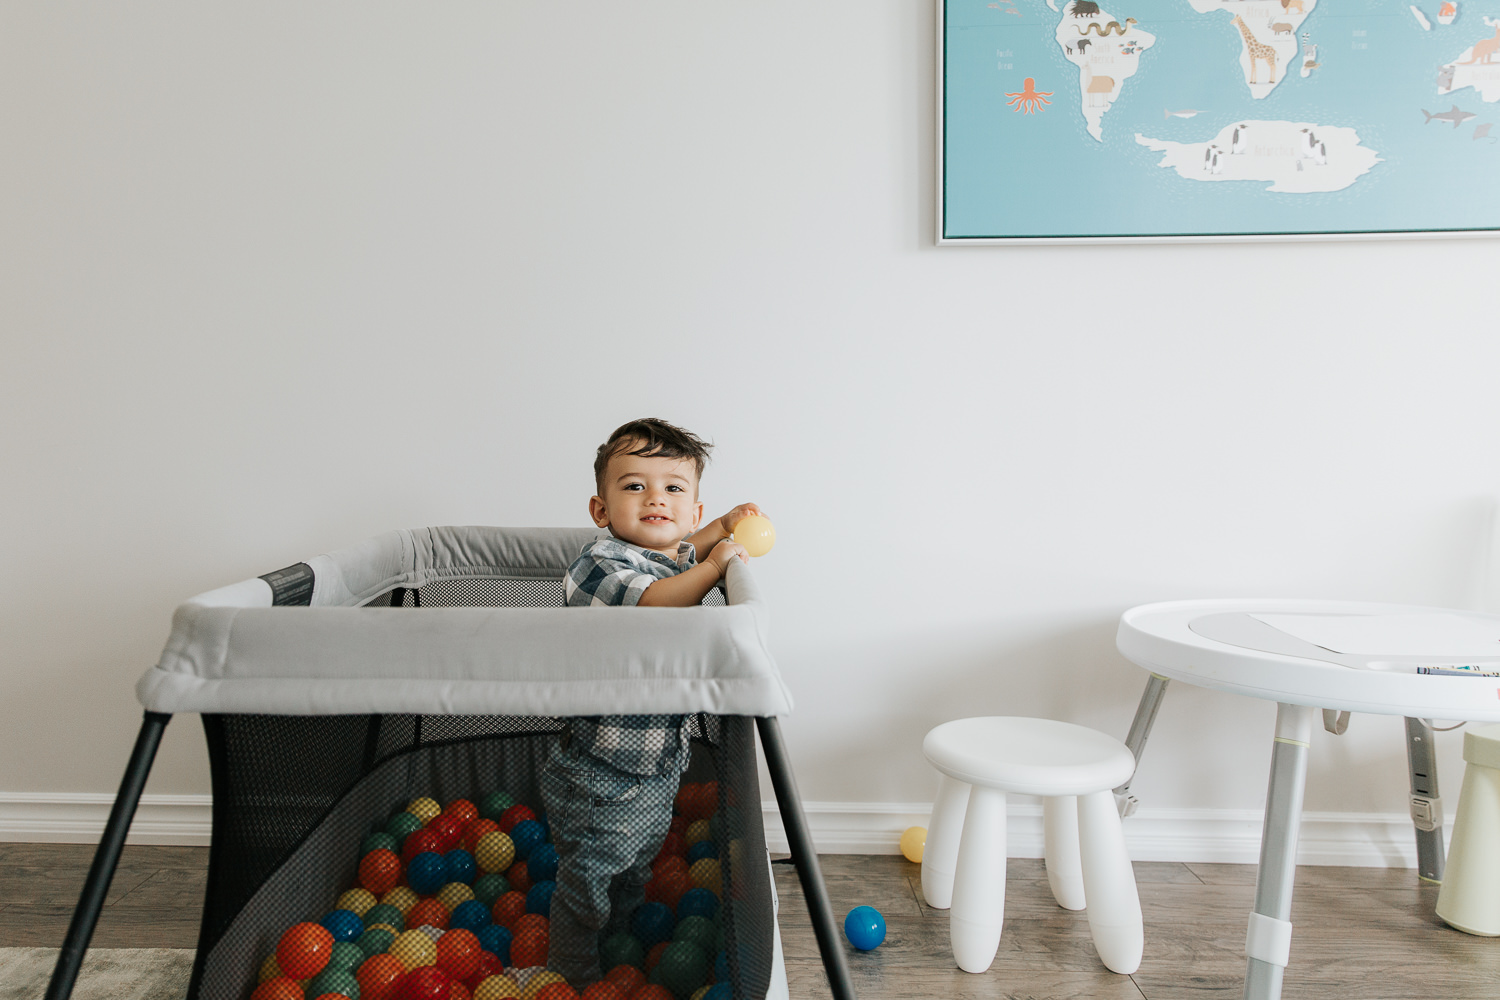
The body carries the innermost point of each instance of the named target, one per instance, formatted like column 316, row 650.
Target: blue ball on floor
column 470, row 915
column 539, row 898
column 541, row 866
column 652, row 924
column 865, row 928
column 427, row 873
column 526, row 835
column 702, row 849
column 461, row 866
column 344, row 925
column 495, row 940
column 698, row 902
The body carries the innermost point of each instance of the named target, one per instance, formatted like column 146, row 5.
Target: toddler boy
column 608, row 787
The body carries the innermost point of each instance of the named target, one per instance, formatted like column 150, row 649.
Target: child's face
column 649, row 500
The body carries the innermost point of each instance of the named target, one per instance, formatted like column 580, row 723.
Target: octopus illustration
column 1029, row 99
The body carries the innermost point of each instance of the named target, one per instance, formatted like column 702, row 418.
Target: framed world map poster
column 1105, row 120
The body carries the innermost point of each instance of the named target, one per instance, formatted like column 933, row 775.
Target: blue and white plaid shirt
column 612, row 572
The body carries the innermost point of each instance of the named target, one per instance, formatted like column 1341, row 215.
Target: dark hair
column 652, row 437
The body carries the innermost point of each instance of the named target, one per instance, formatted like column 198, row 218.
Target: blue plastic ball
column 344, row 925
column 539, row 898
column 721, row 967
column 495, row 940
column 865, row 928
column 720, row 990
column 697, row 902
column 702, row 849
column 427, row 873
column 470, row 915
column 461, row 866
column 652, row 923
column 526, row 835
column 541, row 866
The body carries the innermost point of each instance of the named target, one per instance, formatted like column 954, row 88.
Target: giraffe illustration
column 1257, row 50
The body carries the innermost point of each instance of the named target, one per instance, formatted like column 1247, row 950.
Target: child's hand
column 726, row 551
column 744, row 510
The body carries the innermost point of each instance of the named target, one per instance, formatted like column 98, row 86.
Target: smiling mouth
column 655, row 519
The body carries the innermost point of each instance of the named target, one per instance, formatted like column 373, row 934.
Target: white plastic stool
column 963, row 864
column 1470, row 897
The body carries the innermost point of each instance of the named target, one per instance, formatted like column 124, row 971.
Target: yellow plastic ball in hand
column 756, row 534
column 913, row 842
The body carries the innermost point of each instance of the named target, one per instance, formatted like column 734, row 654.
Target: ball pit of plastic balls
column 453, row 903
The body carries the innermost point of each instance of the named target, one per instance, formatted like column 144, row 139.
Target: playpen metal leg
column 1140, row 728
column 1426, row 803
column 102, row 871
column 805, row 857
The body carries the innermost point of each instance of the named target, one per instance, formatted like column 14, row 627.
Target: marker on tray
column 1461, row 670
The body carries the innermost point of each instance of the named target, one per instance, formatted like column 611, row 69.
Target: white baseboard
column 1205, row 835
column 1379, row 840
column 79, row 817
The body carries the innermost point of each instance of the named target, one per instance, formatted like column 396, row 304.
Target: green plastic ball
column 402, row 825
column 700, row 931
column 493, row 804
column 339, row 981
column 622, row 949
column 346, row 956
column 376, row 941
column 682, row 969
column 491, row 887
column 379, row 840
column 385, row 913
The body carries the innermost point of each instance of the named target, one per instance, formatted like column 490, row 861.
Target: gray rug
column 107, row 974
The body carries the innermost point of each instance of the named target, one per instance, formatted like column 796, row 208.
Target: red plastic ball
column 475, row 829
column 673, row 846
column 331, row 996
column 556, row 991
column 459, row 991
column 531, row 922
column 463, row 810
column 508, row 908
column 679, row 825
column 379, row 871
column 418, row 842
column 458, row 953
column 528, row 949
column 426, row 983
column 280, row 988
column 627, row 977
column 603, row 990
column 671, row 886
column 489, row 965
column 518, row 877
column 514, row 815
column 449, row 829
column 654, row 955
column 427, row 911
column 304, row 950
column 651, row 991
column 379, row 977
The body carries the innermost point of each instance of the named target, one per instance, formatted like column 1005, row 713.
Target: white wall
column 274, row 278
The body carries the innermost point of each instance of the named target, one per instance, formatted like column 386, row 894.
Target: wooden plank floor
column 1365, row 933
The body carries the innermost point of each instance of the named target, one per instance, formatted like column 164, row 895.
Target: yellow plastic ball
column 494, row 852
column 497, row 988
column 454, row 893
column 413, row 949
column 756, row 534
column 269, row 969
column 696, row 831
column 402, row 898
column 425, row 810
column 537, row 981
column 699, row 993
column 913, row 841
column 358, row 901
column 705, row 875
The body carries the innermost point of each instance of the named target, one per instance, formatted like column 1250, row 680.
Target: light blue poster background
column 1012, row 174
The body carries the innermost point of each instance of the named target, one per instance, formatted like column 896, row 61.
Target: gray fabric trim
column 232, row 651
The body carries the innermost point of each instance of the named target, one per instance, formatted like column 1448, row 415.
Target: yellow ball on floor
column 454, row 893
column 913, row 842
column 358, row 901
column 705, row 875
column 425, row 810
column 497, row 988
column 494, row 852
column 699, row 992
column 402, row 898
column 696, row 831
column 414, row 949
column 269, row 969
column 537, row 981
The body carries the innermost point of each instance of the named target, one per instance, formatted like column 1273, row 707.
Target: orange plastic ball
column 654, row 955
column 529, row 949
column 651, row 991
column 603, row 990
column 379, row 871
column 463, row 810
column 474, row 830
column 672, row 846
column 671, row 863
column 518, row 877
column 671, row 886
column 508, row 908
column 304, row 950
column 531, row 922
column 429, row 912
column 280, row 988
column 489, row 965
column 458, row 991
column 379, row 977
column 458, row 953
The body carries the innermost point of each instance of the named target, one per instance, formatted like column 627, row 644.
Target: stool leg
column 1469, row 900
column 979, row 882
column 1114, row 908
column 1060, row 840
column 940, row 856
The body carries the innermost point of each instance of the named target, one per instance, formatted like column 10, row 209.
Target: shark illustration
column 1482, row 131
column 1455, row 116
